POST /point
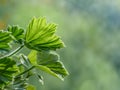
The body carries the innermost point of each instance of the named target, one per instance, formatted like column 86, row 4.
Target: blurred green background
column 91, row 32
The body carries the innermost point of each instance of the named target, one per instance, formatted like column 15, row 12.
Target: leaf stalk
column 13, row 52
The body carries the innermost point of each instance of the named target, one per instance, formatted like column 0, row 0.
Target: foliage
column 40, row 38
column 90, row 30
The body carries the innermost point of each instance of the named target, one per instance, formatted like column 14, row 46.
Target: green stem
column 13, row 52
column 25, row 71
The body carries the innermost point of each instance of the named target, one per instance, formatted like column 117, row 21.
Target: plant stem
column 13, row 52
column 25, row 71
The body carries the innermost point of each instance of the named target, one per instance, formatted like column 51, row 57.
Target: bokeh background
column 91, row 32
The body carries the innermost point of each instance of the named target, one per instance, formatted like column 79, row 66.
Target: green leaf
column 49, row 62
column 16, row 32
column 7, row 69
column 4, row 40
column 40, row 35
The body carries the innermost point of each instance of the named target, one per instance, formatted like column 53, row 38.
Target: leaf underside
column 49, row 62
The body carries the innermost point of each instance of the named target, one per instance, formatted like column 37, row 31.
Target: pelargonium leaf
column 4, row 40
column 49, row 62
column 16, row 32
column 40, row 35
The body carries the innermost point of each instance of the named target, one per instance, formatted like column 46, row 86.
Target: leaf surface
column 49, row 62
column 40, row 35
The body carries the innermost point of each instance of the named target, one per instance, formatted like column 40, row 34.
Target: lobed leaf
column 4, row 40
column 40, row 35
column 16, row 32
column 49, row 62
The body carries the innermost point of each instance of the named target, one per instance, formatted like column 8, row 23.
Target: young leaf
column 16, row 32
column 49, row 62
column 40, row 35
column 4, row 40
